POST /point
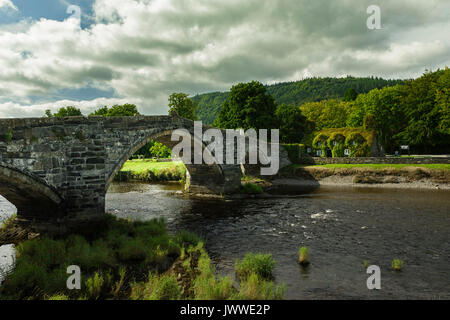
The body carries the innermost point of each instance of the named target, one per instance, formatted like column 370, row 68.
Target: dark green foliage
column 186, row 239
column 180, row 104
column 295, row 151
column 251, row 188
column 350, row 95
column 416, row 113
column 249, row 106
column 295, row 93
column 209, row 105
column 291, row 123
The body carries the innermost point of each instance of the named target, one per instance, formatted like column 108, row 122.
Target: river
column 342, row 227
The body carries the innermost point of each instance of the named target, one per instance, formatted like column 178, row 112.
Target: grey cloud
column 208, row 45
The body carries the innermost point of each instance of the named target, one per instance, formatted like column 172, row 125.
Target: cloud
column 7, row 4
column 13, row 110
column 144, row 50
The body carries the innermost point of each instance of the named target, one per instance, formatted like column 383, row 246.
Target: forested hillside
column 298, row 92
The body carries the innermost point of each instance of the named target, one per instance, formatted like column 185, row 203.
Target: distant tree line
column 297, row 93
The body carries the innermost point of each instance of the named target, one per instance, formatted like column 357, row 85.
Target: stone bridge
column 59, row 169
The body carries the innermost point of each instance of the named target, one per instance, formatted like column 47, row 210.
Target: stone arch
column 25, row 191
column 201, row 178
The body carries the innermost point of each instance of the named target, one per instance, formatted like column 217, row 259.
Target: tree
column 68, row 111
column 350, row 95
column 386, row 116
column 291, row 123
column 425, row 105
column 249, row 106
column 180, row 104
column 159, row 150
column 125, row 110
column 327, row 113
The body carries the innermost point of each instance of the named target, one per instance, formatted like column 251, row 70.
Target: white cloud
column 7, row 4
column 13, row 110
column 144, row 50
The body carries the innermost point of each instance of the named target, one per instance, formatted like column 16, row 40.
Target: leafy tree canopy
column 350, row 95
column 68, row 111
column 249, row 106
column 295, row 93
column 291, row 123
column 180, row 104
column 327, row 113
column 125, row 110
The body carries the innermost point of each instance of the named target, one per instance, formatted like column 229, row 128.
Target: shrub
column 397, row 265
column 251, row 188
column 260, row 264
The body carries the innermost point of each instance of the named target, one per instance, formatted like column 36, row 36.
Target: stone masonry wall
column 78, row 156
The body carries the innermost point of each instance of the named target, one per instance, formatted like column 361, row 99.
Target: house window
column 319, row 153
column 334, row 143
column 347, row 152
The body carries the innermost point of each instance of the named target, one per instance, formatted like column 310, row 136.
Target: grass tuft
column 259, row 264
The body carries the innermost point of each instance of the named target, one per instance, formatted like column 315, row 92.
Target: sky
column 140, row 51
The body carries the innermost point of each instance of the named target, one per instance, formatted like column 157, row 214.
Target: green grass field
column 148, row 170
column 377, row 166
column 141, row 165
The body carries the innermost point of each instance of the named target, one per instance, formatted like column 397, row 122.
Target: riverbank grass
column 149, row 170
column 255, row 263
column 131, row 260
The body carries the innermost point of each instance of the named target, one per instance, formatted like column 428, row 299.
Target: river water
column 342, row 227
